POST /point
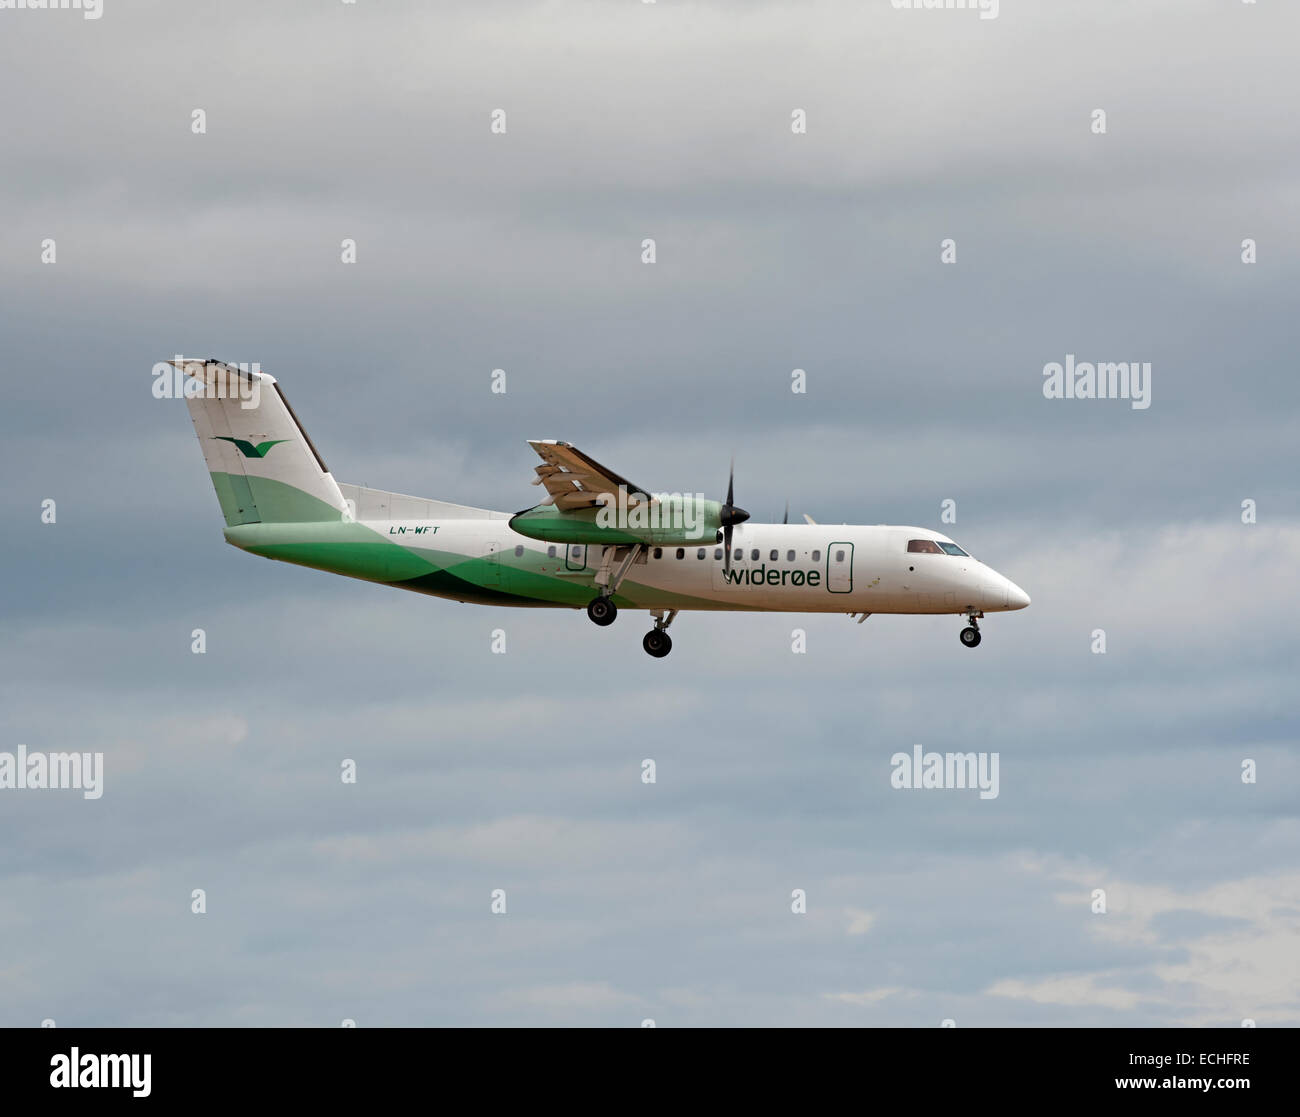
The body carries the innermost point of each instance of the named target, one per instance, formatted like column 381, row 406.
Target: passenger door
column 839, row 568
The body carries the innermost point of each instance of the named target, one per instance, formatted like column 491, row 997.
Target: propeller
column 786, row 518
column 729, row 516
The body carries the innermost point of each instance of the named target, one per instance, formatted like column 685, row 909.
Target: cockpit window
column 923, row 547
column 953, row 549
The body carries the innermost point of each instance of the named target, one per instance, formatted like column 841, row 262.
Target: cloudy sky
column 821, row 251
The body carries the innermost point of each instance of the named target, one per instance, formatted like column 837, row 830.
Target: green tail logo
column 247, row 448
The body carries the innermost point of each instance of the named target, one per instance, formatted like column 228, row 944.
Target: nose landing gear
column 657, row 642
column 971, row 636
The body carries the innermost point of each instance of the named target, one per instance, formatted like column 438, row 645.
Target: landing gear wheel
column 970, row 637
column 657, row 642
column 602, row 611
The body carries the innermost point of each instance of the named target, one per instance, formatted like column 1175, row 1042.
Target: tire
column 657, row 643
column 602, row 611
column 970, row 637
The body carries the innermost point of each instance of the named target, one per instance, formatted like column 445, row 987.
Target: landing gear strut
column 971, row 636
column 657, row 642
column 602, row 609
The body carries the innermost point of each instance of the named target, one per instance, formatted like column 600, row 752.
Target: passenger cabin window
column 700, row 553
column 717, row 554
column 681, row 552
column 753, row 555
column 839, row 556
column 738, row 555
column 659, row 552
column 519, row 552
column 772, row 556
column 923, row 547
column 789, row 556
column 817, row 556
column 550, row 551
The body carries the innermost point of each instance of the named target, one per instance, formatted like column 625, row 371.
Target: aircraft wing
column 574, row 480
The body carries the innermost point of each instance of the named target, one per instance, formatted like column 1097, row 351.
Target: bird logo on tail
column 247, row 448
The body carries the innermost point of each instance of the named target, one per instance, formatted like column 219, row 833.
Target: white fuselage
column 774, row 567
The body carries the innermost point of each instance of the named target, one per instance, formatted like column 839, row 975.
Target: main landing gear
column 971, row 636
column 657, row 642
column 602, row 611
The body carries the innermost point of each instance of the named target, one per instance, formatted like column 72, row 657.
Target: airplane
column 597, row 542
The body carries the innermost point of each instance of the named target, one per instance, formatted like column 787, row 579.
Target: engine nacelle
column 665, row 520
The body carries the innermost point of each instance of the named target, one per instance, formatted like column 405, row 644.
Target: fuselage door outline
column 839, row 568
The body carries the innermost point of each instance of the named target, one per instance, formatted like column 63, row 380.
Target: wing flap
column 573, row 480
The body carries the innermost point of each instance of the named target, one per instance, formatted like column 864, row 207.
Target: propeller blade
column 729, row 515
column 786, row 518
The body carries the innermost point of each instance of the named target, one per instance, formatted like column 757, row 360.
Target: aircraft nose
column 1016, row 597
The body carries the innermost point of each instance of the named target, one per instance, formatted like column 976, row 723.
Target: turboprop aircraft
column 597, row 541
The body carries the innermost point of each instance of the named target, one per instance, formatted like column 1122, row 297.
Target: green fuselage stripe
column 359, row 550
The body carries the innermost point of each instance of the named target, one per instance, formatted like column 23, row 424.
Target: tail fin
column 263, row 466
